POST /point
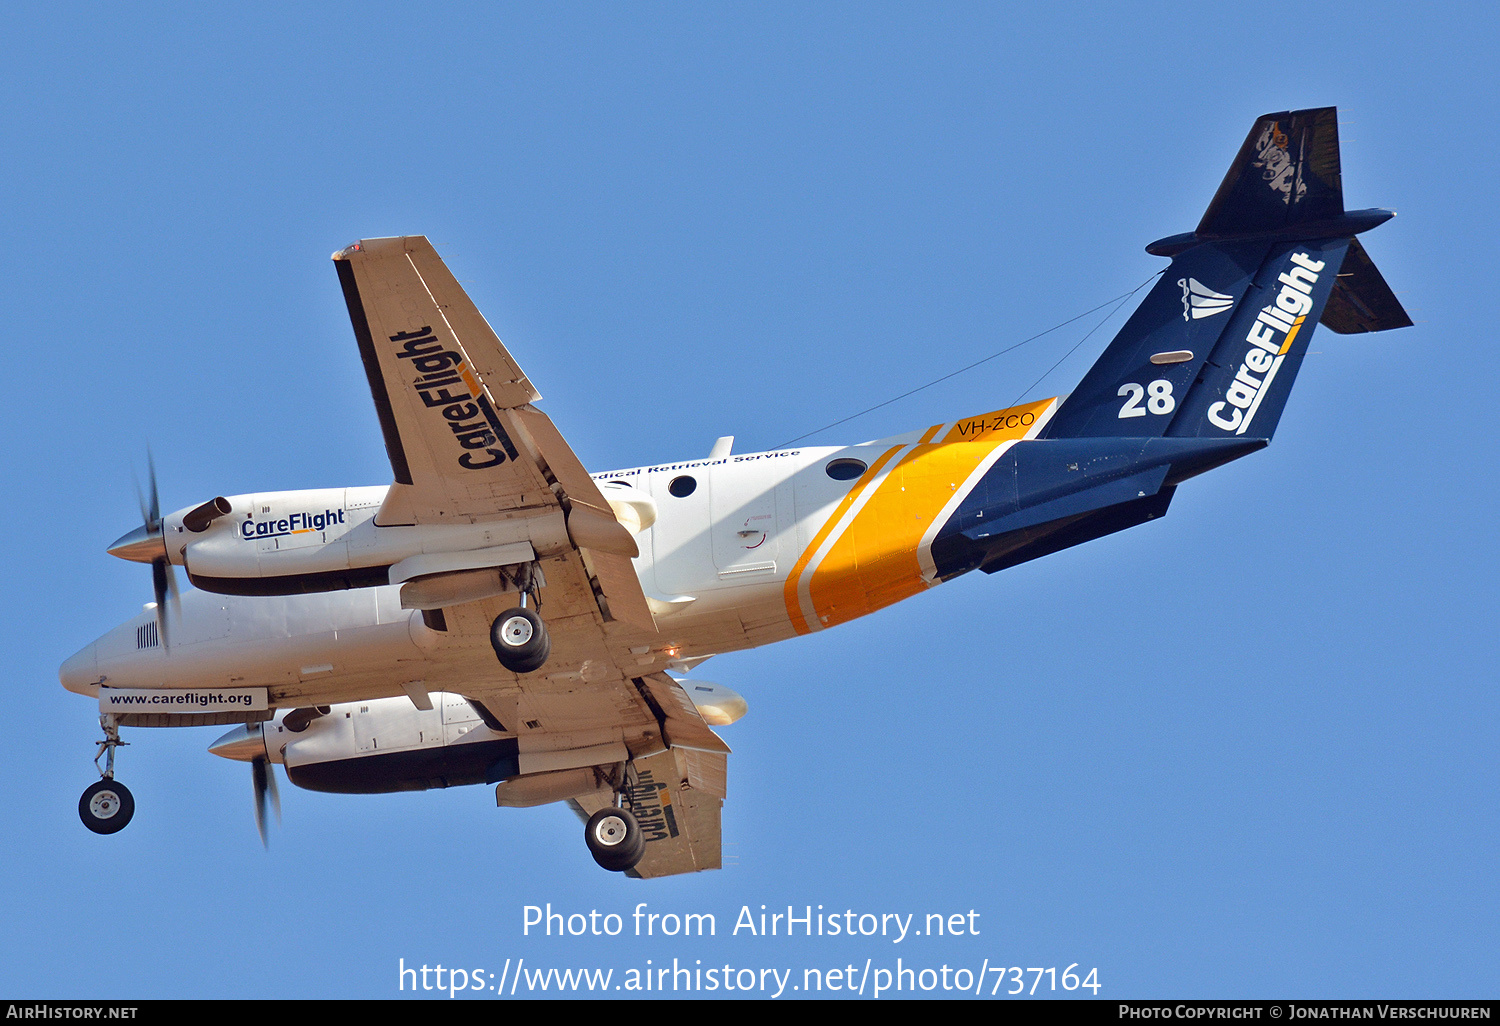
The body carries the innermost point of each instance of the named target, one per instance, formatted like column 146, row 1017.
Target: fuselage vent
column 146, row 636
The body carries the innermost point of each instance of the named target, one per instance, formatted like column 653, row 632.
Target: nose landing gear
column 106, row 806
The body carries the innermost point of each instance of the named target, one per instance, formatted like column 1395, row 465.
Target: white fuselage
column 735, row 551
column 726, row 545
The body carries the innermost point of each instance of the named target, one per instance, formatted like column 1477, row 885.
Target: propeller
column 265, row 787
column 247, row 743
column 163, row 580
column 148, row 544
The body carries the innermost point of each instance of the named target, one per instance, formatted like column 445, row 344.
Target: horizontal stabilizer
column 1361, row 300
column 1287, row 173
column 1040, row 486
column 1024, row 546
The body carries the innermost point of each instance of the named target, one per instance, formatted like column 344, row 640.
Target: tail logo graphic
column 1198, row 300
column 1273, row 156
column 1284, row 317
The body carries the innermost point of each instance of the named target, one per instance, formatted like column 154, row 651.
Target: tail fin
column 1213, row 349
column 1286, row 173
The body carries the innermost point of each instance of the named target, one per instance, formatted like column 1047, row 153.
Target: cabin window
column 683, row 486
column 845, row 470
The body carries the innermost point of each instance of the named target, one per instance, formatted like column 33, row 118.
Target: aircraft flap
column 682, row 724
column 679, row 802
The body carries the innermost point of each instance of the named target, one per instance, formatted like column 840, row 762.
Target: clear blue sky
column 1248, row 750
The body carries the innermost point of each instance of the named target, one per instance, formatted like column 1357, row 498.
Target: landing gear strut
column 107, row 806
column 518, row 635
column 613, row 834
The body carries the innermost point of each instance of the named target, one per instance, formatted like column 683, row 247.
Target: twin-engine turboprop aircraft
column 499, row 615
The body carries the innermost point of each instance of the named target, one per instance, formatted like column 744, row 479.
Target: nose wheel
column 520, row 638
column 107, row 806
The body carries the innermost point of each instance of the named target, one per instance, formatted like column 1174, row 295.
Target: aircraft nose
column 241, row 743
column 80, row 671
column 142, row 545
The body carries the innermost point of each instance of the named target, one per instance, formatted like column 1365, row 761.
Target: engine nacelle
column 287, row 543
column 551, row 786
column 327, row 539
column 388, row 744
column 719, row 706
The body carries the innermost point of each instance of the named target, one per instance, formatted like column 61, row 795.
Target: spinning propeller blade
column 163, row 580
column 247, row 744
column 265, row 786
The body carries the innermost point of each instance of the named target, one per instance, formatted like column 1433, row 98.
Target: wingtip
column 382, row 246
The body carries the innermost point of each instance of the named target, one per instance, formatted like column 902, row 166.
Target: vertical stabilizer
column 1286, row 173
column 1213, row 349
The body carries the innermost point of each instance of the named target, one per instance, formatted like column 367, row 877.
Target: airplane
column 500, row 615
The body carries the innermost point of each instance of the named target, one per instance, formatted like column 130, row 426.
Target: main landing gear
column 613, row 834
column 107, row 806
column 615, row 839
column 519, row 636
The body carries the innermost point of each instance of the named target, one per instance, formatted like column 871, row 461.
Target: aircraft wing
column 464, row 441
column 678, row 803
column 466, row 445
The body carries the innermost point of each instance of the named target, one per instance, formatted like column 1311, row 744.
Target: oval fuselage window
column 845, row 469
column 683, row 486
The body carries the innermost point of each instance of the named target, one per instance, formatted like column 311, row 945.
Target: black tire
column 615, row 839
column 520, row 647
column 106, row 807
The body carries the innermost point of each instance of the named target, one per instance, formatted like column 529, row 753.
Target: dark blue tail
column 1214, row 348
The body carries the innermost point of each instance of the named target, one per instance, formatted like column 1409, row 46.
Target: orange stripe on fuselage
column 874, row 562
column 789, row 590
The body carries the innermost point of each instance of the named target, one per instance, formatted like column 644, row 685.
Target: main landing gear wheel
column 106, row 807
column 520, row 639
column 615, row 839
